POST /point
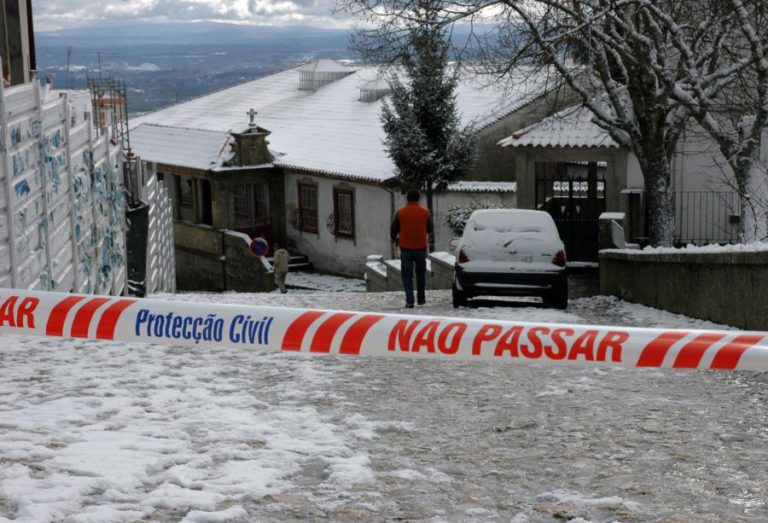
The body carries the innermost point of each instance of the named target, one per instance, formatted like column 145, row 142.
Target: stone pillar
column 611, row 231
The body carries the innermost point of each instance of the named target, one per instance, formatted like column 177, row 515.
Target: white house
column 326, row 185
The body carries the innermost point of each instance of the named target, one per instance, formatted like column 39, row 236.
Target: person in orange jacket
column 410, row 229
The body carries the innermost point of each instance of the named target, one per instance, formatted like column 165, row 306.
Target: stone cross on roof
column 252, row 113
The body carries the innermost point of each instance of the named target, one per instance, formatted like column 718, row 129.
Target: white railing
column 161, row 264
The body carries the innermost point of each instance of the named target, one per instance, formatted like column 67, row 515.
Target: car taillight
column 463, row 256
column 559, row 259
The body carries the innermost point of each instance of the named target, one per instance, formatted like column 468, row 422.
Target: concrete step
column 299, row 262
column 296, row 263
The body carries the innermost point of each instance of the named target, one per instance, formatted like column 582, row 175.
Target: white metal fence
column 161, row 258
column 62, row 218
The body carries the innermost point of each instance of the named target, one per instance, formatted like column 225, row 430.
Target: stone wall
column 442, row 270
column 245, row 272
column 375, row 274
column 384, row 275
column 210, row 260
column 727, row 288
column 198, row 271
column 199, row 238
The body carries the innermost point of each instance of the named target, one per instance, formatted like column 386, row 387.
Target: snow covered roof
column 572, row 127
column 483, row 187
column 328, row 130
column 180, row 146
column 377, row 82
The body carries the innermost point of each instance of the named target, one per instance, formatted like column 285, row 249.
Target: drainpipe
column 223, row 258
column 391, row 214
column 31, row 37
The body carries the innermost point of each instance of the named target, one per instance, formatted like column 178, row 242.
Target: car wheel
column 561, row 299
column 459, row 297
column 557, row 298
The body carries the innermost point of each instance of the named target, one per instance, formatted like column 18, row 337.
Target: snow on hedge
column 698, row 249
column 457, row 216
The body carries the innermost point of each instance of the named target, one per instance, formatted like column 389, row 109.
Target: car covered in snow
column 510, row 252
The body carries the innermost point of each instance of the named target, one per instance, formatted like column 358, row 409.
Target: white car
column 510, row 252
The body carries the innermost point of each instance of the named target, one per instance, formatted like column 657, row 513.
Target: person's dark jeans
column 409, row 258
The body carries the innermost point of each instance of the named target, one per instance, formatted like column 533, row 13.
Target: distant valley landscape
column 162, row 64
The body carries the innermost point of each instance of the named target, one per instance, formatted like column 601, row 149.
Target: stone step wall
column 384, row 275
column 728, row 288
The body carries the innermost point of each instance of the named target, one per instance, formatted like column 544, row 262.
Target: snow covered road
column 102, row 432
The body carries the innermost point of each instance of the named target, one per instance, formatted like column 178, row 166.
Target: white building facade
column 326, row 141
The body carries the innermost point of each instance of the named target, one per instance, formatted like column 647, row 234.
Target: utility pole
column 68, row 80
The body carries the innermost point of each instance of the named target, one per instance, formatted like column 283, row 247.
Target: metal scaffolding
column 110, row 102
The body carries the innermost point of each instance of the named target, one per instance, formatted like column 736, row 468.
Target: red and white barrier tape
column 358, row 333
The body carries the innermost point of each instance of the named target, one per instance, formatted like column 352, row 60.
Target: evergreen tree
column 424, row 136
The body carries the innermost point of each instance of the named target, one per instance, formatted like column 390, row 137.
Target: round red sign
column 259, row 247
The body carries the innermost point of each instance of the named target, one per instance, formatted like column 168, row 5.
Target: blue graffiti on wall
column 21, row 188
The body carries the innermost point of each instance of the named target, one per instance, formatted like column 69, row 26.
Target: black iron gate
column 575, row 202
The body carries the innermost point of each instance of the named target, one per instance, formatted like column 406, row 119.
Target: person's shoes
column 409, row 305
column 422, row 302
column 283, row 291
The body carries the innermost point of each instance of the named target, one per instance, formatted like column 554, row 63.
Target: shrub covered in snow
column 457, row 216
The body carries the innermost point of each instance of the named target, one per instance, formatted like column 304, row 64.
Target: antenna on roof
column 68, row 81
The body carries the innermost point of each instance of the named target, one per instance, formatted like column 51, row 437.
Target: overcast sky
column 57, row 14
